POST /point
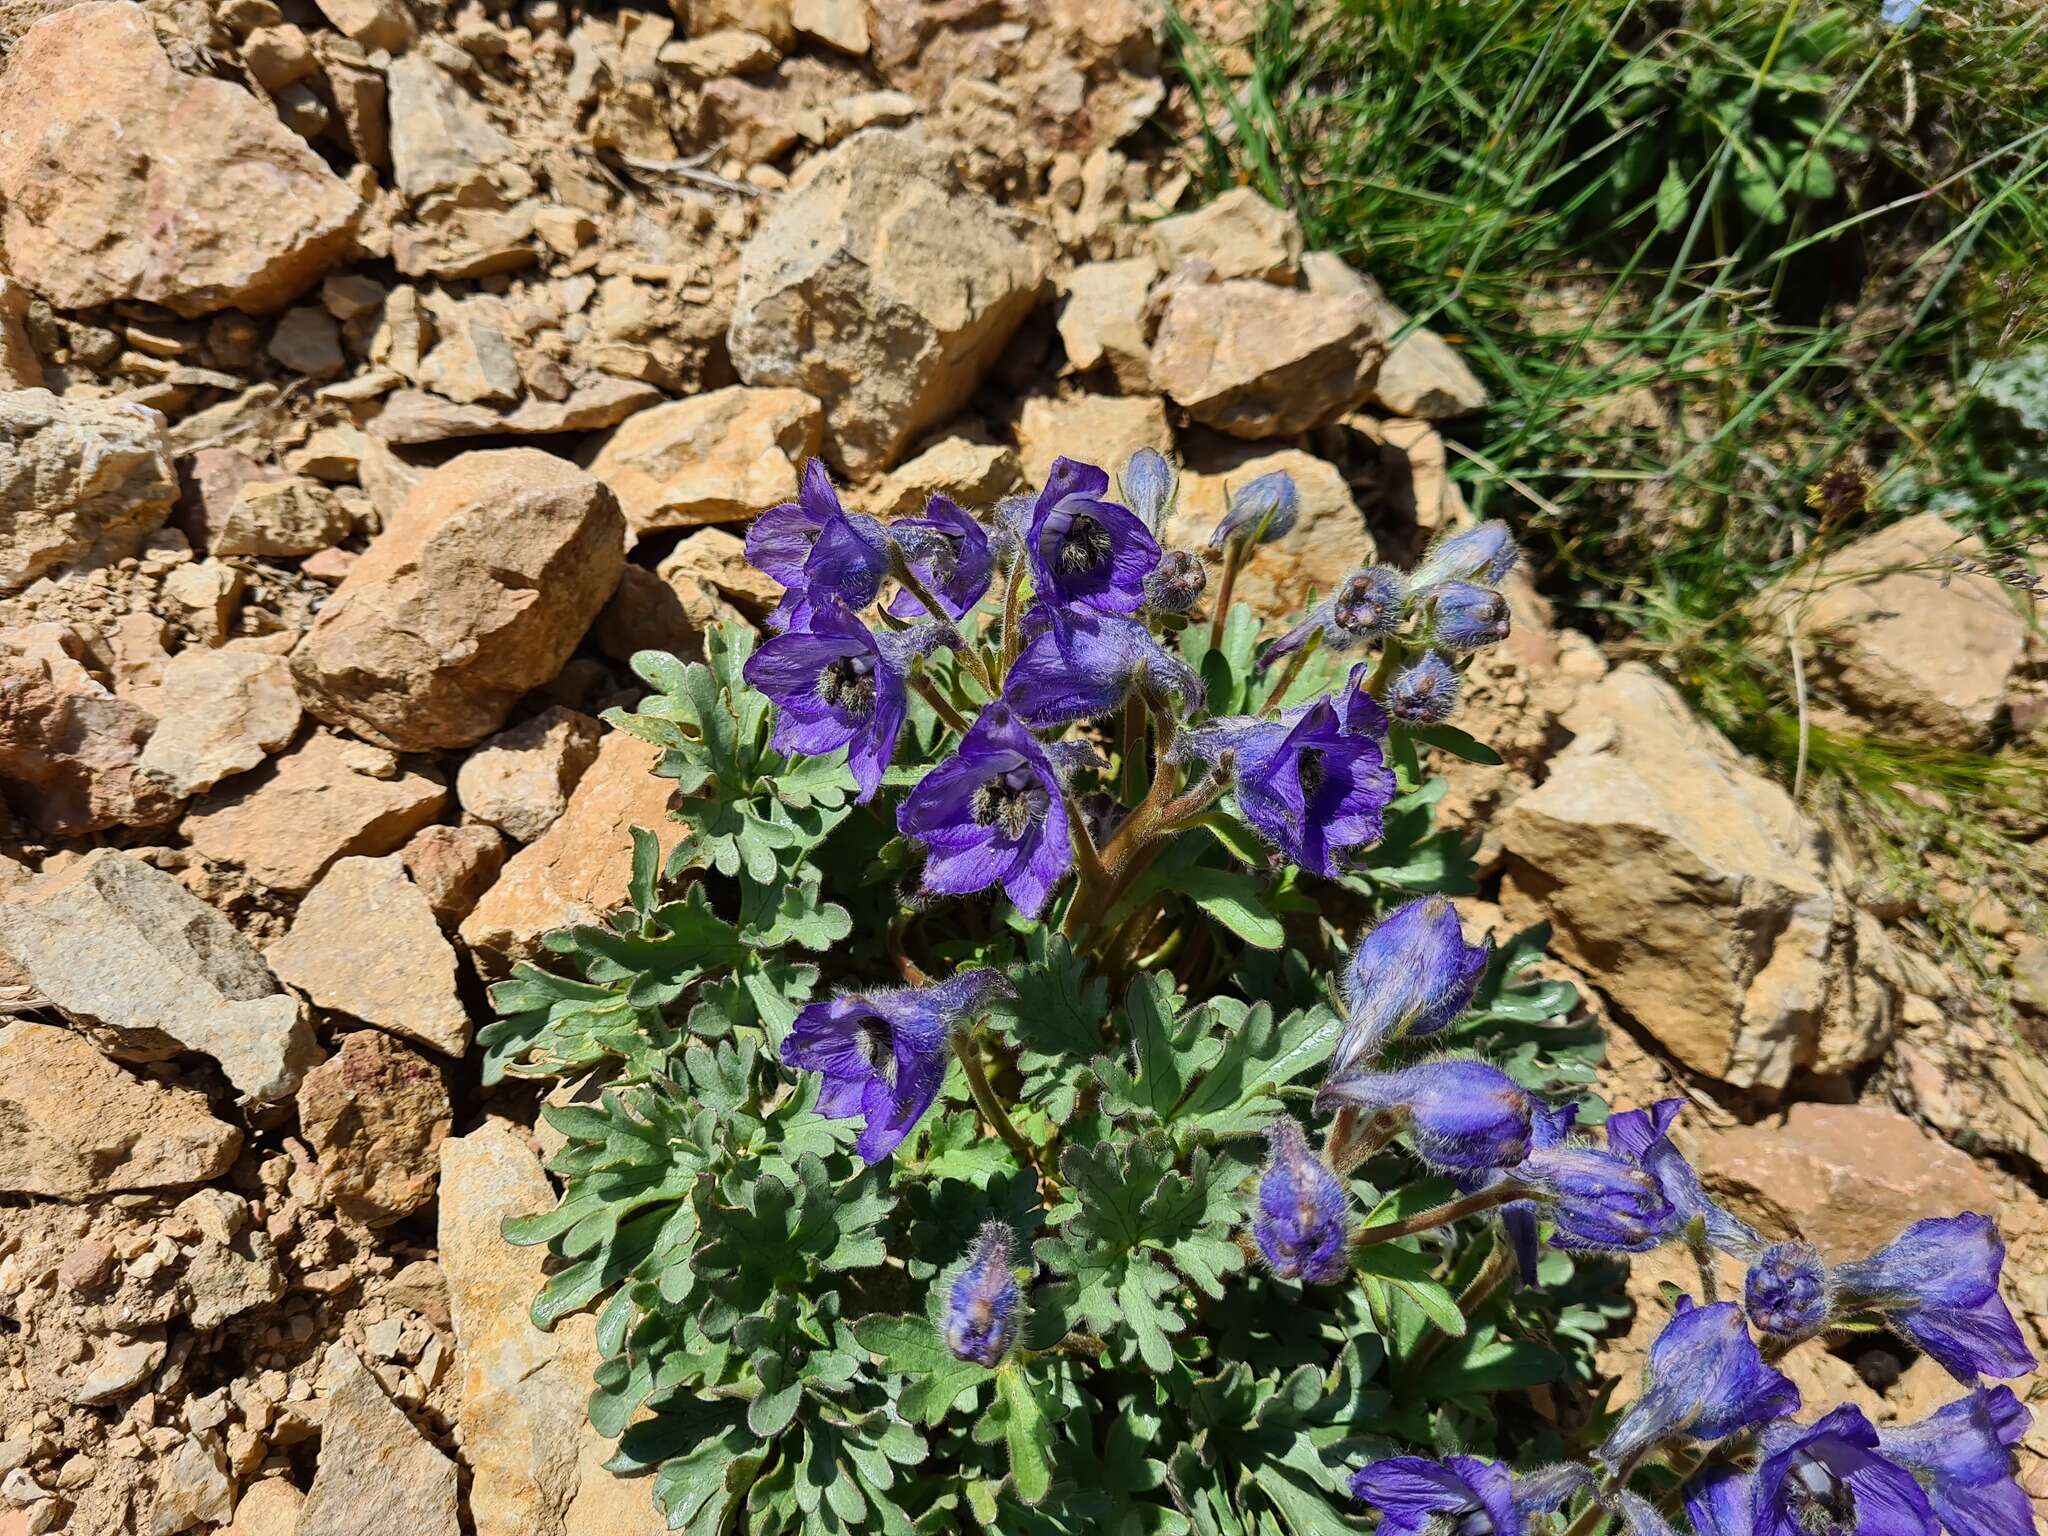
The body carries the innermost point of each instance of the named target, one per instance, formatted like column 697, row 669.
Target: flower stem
column 1233, row 562
column 929, row 692
column 1287, row 676
column 990, row 1106
column 1500, row 1263
column 914, row 585
column 1013, row 620
column 1440, row 1215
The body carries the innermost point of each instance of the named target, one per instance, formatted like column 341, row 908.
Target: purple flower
column 1458, row 1496
column 949, row 552
column 1363, row 715
column 1484, row 553
column 1302, row 1222
column 1087, row 551
column 992, row 814
column 1085, row 665
column 1600, row 1200
column 1787, row 1292
column 1962, row 1456
column 1309, row 786
column 1642, row 1136
column 1460, row 616
column 1368, row 606
column 883, row 1053
column 984, row 1307
column 1705, row 1380
column 1262, row 510
column 816, row 549
column 780, row 540
column 1408, row 978
column 1149, row 487
column 1425, row 691
column 1828, row 1478
column 1936, row 1283
column 1460, row 1114
column 1176, row 583
column 1520, row 1219
column 836, row 685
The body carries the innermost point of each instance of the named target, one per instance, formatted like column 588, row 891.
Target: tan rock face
column 718, row 560
column 1423, row 377
column 652, row 612
column 1329, row 540
column 146, row 968
column 443, row 143
column 1256, row 360
column 974, row 474
column 593, row 401
column 73, row 1126
column 1846, row 1177
column 1102, row 320
column 577, row 870
column 282, row 519
column 520, row 779
column 1240, row 234
column 478, row 591
column 270, row 1508
column 75, row 476
column 221, row 713
column 366, row 943
column 123, row 178
column 325, row 799
column 375, row 1115
column 453, row 867
column 377, row 1472
column 715, row 458
column 882, row 287
column 1097, row 429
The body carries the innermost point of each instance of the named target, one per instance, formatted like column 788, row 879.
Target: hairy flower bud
column 1786, row 1292
column 1484, row 553
column 1177, row 582
column 1302, row 1223
column 1261, row 510
column 1465, row 617
column 985, row 1306
column 1460, row 1114
column 1600, row 1200
column 1705, row 1380
column 1424, row 692
column 1149, row 487
column 1410, row 976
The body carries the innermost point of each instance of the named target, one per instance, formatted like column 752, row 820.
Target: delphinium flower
column 1086, row 550
column 984, row 1306
column 1302, row 1219
column 817, row 549
column 837, row 684
column 1705, row 1380
column 1462, row 1495
column 1369, row 605
column 1600, row 1200
column 1409, row 977
column 949, row 552
column 1483, row 553
column 1086, row 665
column 1177, row 582
column 1149, row 487
column 1643, row 1136
column 1261, row 510
column 1829, row 1478
column 1425, row 691
column 1962, row 1457
column 1460, row 1115
column 1936, row 1283
column 1521, row 1220
column 1461, row 616
column 1788, row 1293
column 883, row 1053
column 992, row 814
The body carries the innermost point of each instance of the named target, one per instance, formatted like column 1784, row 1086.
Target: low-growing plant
column 979, row 1121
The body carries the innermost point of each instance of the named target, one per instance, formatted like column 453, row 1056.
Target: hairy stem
column 1013, row 592
column 941, row 706
column 1233, row 562
column 1441, row 1215
column 1500, row 1263
column 914, row 585
column 990, row 1106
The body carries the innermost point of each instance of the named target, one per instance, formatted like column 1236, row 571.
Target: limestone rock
column 882, row 287
column 520, row 779
column 728, row 51
column 718, row 560
column 375, row 1115
column 366, row 943
column 453, row 867
column 208, row 595
column 308, row 341
column 386, row 24
column 376, row 1472
column 715, row 458
column 594, row 401
column 124, row 178
column 653, row 612
column 577, row 870
column 282, row 518
column 1102, row 319
column 20, row 368
column 222, row 713
column 1240, row 234
column 1256, row 360
column 443, row 144
column 73, row 1126
column 767, row 18
column 323, row 800
column 1329, row 541
column 77, row 476
column 1423, row 377
column 478, row 591
column 974, row 474
column 192, row 1487
column 270, row 1508
column 1101, row 429
column 1846, row 1177
column 130, row 956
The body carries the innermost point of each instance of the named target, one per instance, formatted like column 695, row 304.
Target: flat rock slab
column 1257, row 360
column 714, row 458
column 75, row 476
column 220, row 713
column 377, row 1472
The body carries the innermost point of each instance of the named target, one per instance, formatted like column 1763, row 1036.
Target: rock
column 221, row 713
column 1846, row 1177
column 453, row 867
column 841, row 24
column 670, row 613
column 366, row 943
column 282, row 519
column 308, row 341
column 270, row 1508
column 1102, row 319
column 1329, row 541
column 73, row 1126
column 71, row 748
column 2030, row 975
column 376, row 1472
column 385, row 24
column 577, row 870
column 730, row 51
column 768, row 18
column 520, row 779
column 478, row 591
column 192, row 1487
column 331, row 454
column 1422, row 377
column 118, row 1370
column 882, row 287
column 146, row 968
column 124, row 178
column 1905, row 645
column 716, row 458
column 20, row 368
column 1691, row 890
column 1102, row 429
column 594, row 401
column 1258, row 361
column 974, row 474
column 208, row 595
column 713, row 558
column 375, row 1115
column 77, row 476
column 214, row 480
column 324, row 800
column 1240, row 234
column 444, row 145
column 472, row 358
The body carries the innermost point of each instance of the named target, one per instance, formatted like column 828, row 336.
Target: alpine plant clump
column 1041, row 1083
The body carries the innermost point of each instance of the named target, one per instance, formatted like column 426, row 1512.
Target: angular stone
column 841, row 24
column 282, row 519
column 669, row 613
column 716, row 559
column 1240, row 234
column 1329, row 541
column 472, row 358
column 192, row 1487
column 324, row 800
column 1423, row 376
column 1102, row 320
column 386, row 24
column 716, row 458
column 443, row 144
column 308, row 341
column 74, row 1126
column 20, row 368
column 594, row 401
column 768, row 18
column 377, row 1472
column 974, row 474
column 715, row 55
column 366, row 943
column 577, row 870
column 375, row 1114
column 208, row 595
column 76, row 476
column 124, row 178
column 1100, row 429
column 882, row 287
column 221, row 713
column 477, row 592
column 453, row 867
column 147, row 969
column 520, row 779
column 1255, row 360
column 270, row 1508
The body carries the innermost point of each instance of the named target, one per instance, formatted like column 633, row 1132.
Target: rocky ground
column 375, row 378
